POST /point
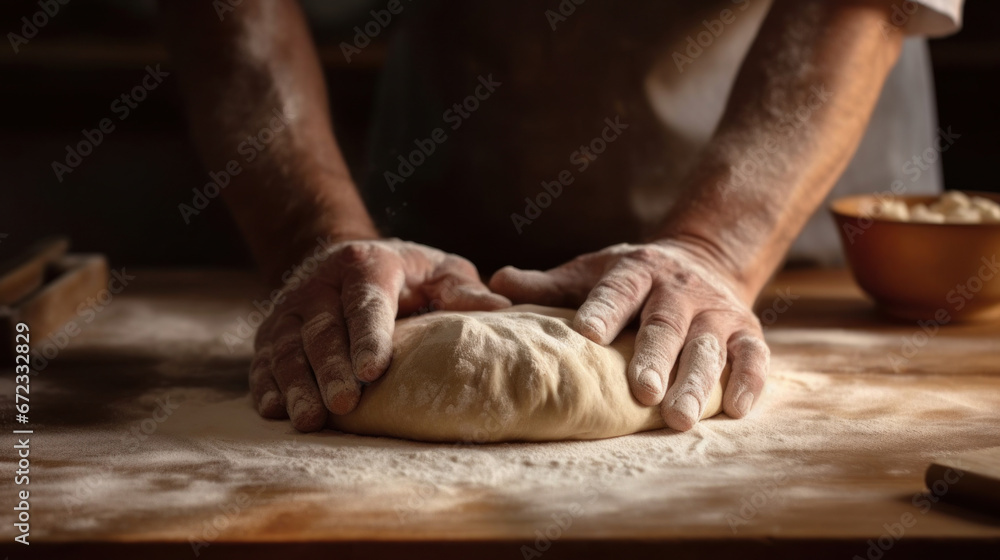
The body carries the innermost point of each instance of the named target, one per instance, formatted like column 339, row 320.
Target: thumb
column 458, row 293
column 531, row 286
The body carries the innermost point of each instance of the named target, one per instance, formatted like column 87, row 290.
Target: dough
column 953, row 207
column 519, row 374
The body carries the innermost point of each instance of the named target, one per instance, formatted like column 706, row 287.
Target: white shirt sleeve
column 930, row 18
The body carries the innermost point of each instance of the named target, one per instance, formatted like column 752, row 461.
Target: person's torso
column 518, row 133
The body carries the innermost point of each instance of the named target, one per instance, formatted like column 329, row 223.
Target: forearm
column 797, row 112
column 236, row 75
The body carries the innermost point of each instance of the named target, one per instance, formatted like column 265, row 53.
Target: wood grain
column 850, row 472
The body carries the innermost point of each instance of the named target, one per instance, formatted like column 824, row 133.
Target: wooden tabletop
column 145, row 446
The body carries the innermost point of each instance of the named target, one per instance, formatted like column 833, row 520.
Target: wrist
column 302, row 222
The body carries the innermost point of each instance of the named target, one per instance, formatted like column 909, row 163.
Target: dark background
column 122, row 200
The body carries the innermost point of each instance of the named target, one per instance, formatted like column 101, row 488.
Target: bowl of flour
column 925, row 258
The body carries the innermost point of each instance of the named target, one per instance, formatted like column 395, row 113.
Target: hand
column 689, row 312
column 333, row 331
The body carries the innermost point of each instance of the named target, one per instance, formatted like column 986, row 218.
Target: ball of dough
column 518, row 374
column 951, row 201
column 920, row 213
column 891, row 210
column 989, row 211
column 962, row 215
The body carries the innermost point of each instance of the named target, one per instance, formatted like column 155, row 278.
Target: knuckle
column 680, row 278
column 366, row 342
column 754, row 376
column 365, row 302
column 333, row 370
column 644, row 254
column 322, row 323
column 459, row 266
column 705, row 354
column 285, row 350
column 751, row 347
column 672, row 323
column 698, row 386
column 619, row 288
column 704, row 343
column 354, row 254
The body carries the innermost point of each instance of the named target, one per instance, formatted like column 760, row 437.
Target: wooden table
column 144, row 439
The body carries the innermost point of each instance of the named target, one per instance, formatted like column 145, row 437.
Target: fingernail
column 744, row 403
column 688, row 407
column 342, row 396
column 650, row 380
column 300, row 409
column 268, row 402
column 364, row 361
column 594, row 325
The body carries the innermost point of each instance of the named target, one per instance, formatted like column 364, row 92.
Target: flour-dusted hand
column 690, row 315
column 334, row 331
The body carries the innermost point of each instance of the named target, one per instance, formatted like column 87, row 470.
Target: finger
column 700, row 367
column 327, row 347
column 463, row 296
column 370, row 300
column 662, row 331
column 613, row 302
column 532, row 286
column 293, row 376
column 459, row 288
column 751, row 360
column 266, row 395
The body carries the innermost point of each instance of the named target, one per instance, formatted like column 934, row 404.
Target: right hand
column 334, row 331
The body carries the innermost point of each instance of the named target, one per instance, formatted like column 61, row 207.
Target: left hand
column 690, row 311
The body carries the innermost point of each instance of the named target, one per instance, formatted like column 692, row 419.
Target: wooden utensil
column 44, row 289
column 971, row 479
column 25, row 273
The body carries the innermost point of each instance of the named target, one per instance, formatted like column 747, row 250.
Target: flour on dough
column 518, row 374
